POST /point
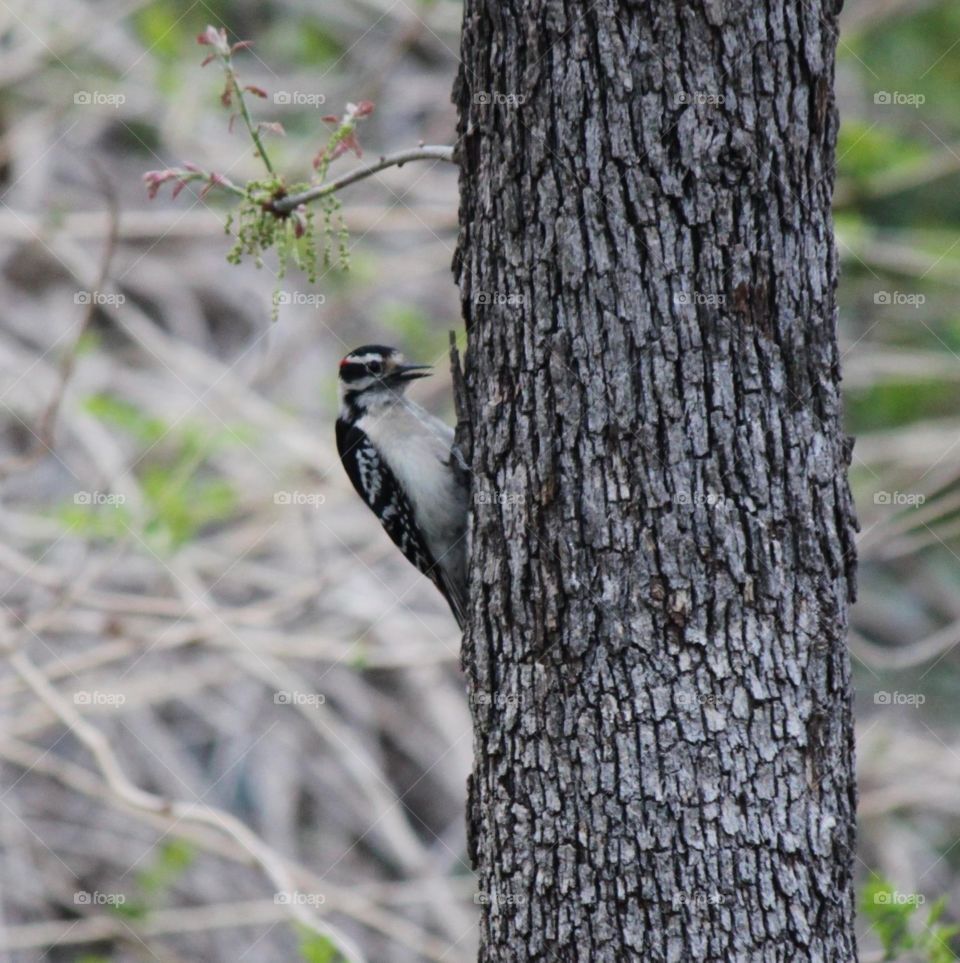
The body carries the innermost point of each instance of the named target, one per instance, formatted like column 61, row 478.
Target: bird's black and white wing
column 379, row 488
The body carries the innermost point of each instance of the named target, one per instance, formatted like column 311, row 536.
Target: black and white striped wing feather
column 385, row 497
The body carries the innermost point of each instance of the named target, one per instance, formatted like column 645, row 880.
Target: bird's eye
column 374, row 367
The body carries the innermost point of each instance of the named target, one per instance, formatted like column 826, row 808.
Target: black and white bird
column 400, row 460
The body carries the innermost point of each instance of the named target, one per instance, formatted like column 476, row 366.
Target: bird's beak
column 407, row 372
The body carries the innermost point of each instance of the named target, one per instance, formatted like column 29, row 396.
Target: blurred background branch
column 187, row 565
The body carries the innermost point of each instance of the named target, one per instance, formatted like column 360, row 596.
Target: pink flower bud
column 298, row 217
column 212, row 37
column 156, row 179
column 215, row 180
column 349, row 142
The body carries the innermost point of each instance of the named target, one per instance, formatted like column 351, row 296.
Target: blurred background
column 195, row 604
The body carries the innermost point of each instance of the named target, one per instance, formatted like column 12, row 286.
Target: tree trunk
column 662, row 531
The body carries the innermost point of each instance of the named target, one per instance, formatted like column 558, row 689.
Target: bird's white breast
column 416, row 447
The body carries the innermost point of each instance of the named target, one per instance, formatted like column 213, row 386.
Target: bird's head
column 375, row 374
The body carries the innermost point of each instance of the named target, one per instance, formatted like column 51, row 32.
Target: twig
column 248, row 121
column 182, row 919
column 270, row 862
column 216, row 38
column 354, row 904
column 191, row 919
column 46, row 428
column 284, row 205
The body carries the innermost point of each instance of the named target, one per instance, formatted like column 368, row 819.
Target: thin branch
column 44, row 436
column 247, row 119
column 197, row 919
column 286, row 204
column 352, row 903
column 161, row 922
column 223, row 51
column 270, row 862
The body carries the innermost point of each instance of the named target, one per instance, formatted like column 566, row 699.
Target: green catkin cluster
column 310, row 256
column 343, row 236
column 254, row 228
column 257, row 229
column 331, row 208
column 335, row 246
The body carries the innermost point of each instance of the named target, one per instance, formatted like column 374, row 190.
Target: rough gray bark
column 662, row 529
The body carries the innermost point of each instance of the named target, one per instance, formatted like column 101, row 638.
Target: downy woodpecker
column 400, row 460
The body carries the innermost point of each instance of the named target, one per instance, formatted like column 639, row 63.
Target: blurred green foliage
column 866, row 149
column 410, row 326
column 913, row 54
column 897, row 402
column 315, row 948
column 181, row 491
column 153, row 884
column 900, row 926
column 898, row 207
